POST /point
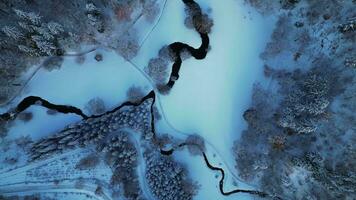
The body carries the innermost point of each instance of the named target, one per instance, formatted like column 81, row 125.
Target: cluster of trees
column 122, row 156
column 28, row 33
column 167, row 178
column 95, row 129
column 298, row 144
column 338, row 180
column 306, row 101
column 271, row 153
column 34, row 37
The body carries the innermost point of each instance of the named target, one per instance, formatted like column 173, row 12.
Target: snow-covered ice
column 212, row 94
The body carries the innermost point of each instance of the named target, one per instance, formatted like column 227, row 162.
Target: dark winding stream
column 34, row 100
column 210, row 166
column 179, row 47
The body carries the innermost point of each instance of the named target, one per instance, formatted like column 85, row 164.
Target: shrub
column 135, row 94
column 95, row 106
column 196, row 19
column 150, row 10
column 98, row 57
column 52, row 63
column 25, row 116
column 196, row 144
column 128, row 45
column 88, row 162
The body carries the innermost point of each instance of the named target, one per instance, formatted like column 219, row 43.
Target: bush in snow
column 10, row 160
column 123, row 10
column 196, row 19
column 95, row 106
column 51, row 112
column 52, row 63
column 24, row 142
column 79, row 183
column 98, row 57
column 166, row 53
column 88, row 162
column 157, row 69
column 128, row 45
column 150, row 10
column 25, row 116
column 195, row 144
column 157, row 115
column 134, row 94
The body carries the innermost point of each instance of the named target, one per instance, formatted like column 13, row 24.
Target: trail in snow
column 88, row 189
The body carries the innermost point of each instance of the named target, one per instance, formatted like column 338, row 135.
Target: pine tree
column 32, row 17
column 12, row 32
column 55, row 28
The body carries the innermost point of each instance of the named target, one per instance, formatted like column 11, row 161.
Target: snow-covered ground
column 212, row 94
